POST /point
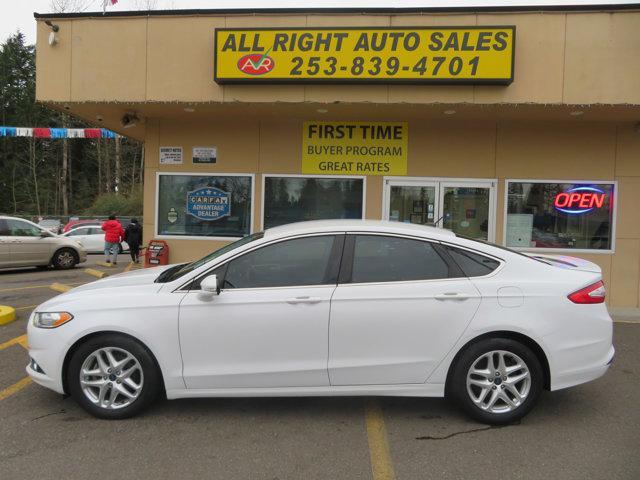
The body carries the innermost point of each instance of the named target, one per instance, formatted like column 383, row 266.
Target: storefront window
column 296, row 199
column 204, row 205
column 559, row 215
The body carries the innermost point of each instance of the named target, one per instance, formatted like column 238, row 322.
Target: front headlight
column 51, row 319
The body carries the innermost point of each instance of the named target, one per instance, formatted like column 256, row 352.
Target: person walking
column 133, row 237
column 113, row 234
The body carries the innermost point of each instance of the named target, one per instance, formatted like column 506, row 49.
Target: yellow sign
column 354, row 148
column 344, row 55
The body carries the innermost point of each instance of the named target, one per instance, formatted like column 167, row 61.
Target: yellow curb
column 128, row 267
column 105, row 264
column 96, row 273
column 21, row 340
column 7, row 314
column 59, row 287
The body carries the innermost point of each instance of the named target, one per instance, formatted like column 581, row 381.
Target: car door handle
column 305, row 299
column 451, row 296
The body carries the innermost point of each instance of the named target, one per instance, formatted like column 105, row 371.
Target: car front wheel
column 65, row 259
column 497, row 381
column 113, row 377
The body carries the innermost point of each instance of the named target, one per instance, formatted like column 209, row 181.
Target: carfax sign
column 345, row 55
column 355, row 148
column 208, row 203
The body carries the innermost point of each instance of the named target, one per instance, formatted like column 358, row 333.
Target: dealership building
column 519, row 126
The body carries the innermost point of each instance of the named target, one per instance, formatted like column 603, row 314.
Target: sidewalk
column 625, row 315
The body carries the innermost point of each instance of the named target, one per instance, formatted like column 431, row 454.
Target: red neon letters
column 575, row 200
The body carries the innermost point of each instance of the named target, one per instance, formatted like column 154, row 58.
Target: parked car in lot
column 71, row 224
column 25, row 244
column 92, row 238
column 331, row 308
column 51, row 224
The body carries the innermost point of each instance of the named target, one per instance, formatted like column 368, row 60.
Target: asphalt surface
column 591, row 431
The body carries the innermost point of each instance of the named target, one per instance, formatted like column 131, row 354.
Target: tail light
column 594, row 293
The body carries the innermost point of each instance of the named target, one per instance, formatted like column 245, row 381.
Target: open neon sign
column 580, row 200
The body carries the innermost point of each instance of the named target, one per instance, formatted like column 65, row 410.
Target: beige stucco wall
column 574, row 58
column 527, row 150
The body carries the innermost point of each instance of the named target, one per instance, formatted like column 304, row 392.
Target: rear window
column 471, row 263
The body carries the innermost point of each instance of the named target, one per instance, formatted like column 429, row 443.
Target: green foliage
column 121, row 205
column 32, row 185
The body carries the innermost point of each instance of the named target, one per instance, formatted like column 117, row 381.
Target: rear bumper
column 583, row 375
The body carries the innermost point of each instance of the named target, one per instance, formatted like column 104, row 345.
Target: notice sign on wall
column 170, row 155
column 204, row 155
column 346, row 55
column 354, row 148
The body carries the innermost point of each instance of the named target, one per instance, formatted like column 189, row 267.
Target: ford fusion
column 331, row 308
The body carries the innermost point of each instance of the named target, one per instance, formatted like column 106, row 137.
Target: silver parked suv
column 25, row 244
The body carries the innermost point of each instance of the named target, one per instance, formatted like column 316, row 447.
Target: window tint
column 18, row 228
column 303, row 261
column 393, row 259
column 4, row 228
column 473, row 264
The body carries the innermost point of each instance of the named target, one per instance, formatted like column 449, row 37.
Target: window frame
column 348, row 258
column 203, row 174
column 335, row 256
column 296, row 175
column 614, row 220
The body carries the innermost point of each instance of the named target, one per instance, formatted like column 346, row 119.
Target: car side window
column 378, row 258
column 18, row 228
column 4, row 228
column 297, row 262
column 472, row 264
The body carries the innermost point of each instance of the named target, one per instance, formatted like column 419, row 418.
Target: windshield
column 179, row 270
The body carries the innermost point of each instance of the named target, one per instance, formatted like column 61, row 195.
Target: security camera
column 129, row 120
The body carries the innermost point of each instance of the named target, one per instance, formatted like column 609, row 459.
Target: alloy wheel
column 111, row 378
column 66, row 259
column 498, row 381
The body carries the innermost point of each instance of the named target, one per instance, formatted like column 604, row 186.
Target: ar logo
column 256, row 63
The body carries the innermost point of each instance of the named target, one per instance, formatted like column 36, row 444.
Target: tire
column 475, row 391
column 65, row 259
column 123, row 392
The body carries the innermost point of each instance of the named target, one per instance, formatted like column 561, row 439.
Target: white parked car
column 25, row 244
column 331, row 308
column 92, row 238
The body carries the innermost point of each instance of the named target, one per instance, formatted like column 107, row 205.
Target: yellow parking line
column 26, row 307
column 15, row 388
column 128, row 267
column 381, row 465
column 21, row 340
column 60, row 287
column 15, row 289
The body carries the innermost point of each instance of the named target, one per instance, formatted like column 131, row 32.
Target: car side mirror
column 210, row 285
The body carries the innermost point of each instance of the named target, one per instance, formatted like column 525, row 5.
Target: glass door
column 466, row 207
column 412, row 203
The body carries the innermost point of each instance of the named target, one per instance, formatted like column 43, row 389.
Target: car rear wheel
column 65, row 258
column 497, row 381
column 113, row 377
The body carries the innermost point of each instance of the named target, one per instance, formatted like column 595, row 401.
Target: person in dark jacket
column 113, row 234
column 133, row 236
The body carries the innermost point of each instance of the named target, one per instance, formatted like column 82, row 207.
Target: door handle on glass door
column 305, row 299
column 451, row 296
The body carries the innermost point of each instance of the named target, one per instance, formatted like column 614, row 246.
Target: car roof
column 381, row 226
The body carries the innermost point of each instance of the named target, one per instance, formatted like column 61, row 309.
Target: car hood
column 143, row 276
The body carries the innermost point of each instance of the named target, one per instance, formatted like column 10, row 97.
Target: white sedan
column 331, row 308
column 92, row 238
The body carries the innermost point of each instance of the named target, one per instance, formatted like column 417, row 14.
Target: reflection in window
column 392, row 259
column 297, row 199
column 559, row 215
column 204, row 205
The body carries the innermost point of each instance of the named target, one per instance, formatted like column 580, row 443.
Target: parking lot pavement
column 591, row 431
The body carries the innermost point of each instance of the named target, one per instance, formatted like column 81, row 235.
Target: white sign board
column 204, row 155
column 170, row 155
column 519, row 229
